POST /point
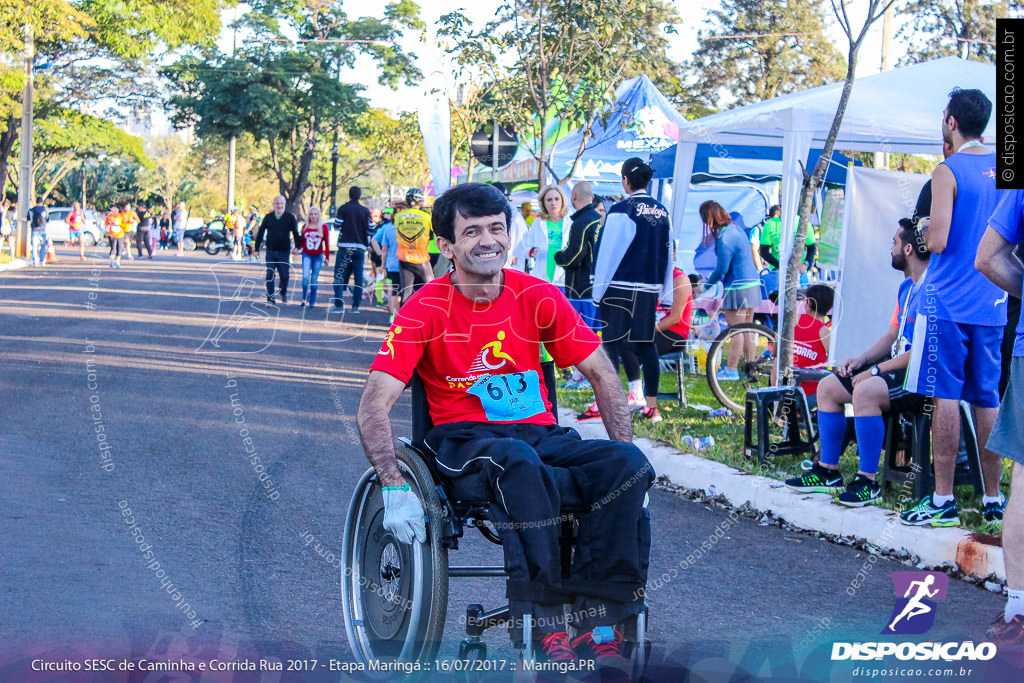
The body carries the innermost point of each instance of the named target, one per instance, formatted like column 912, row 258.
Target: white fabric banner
column 436, row 127
column 866, row 290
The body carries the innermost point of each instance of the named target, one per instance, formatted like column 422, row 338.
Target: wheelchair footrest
column 478, row 621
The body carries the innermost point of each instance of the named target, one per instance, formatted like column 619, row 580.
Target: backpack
column 38, row 217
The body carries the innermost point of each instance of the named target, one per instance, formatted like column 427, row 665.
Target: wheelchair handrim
column 351, row 589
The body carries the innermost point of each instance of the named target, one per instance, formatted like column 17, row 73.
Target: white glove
column 403, row 514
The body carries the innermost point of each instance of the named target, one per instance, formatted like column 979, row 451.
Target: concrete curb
column 815, row 511
column 13, row 265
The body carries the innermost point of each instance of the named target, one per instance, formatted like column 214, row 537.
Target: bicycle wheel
column 753, row 347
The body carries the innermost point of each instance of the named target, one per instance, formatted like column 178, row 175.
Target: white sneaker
column 636, row 401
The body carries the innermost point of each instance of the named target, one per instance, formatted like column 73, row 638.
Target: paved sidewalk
column 969, row 552
column 13, row 265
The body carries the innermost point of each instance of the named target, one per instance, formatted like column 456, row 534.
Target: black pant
column 643, row 353
column 142, row 238
column 609, row 568
column 669, row 342
column 412, row 278
column 277, row 260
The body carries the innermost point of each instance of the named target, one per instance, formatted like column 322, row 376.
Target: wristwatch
column 874, row 371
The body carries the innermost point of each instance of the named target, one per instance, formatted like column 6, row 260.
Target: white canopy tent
column 893, row 111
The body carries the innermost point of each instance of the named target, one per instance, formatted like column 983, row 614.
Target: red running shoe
column 1008, row 637
column 612, row 664
column 590, row 414
column 555, row 647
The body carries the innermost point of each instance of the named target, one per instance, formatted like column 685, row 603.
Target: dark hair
column 469, row 200
column 500, row 186
column 637, row 173
column 776, row 210
column 971, row 109
column 909, row 234
column 354, row 192
column 713, row 215
column 822, row 297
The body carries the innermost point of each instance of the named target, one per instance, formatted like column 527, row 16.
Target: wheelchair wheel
column 394, row 596
column 754, row 370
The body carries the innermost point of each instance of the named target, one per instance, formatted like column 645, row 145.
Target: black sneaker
column 993, row 512
column 859, row 492
column 270, row 299
column 926, row 513
column 284, row 298
column 818, row 480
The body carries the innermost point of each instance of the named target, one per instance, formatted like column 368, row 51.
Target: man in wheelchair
column 474, row 337
column 873, row 383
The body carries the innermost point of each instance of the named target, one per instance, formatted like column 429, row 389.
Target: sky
column 430, row 56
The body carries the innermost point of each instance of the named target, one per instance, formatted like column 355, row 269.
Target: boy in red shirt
column 474, row 337
column 811, row 336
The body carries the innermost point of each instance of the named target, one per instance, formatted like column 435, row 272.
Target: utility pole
column 334, row 173
column 26, row 181
column 231, row 141
column 231, row 173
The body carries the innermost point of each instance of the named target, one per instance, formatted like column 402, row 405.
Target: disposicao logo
column 917, row 594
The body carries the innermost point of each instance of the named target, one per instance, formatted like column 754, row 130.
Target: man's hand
column 860, row 377
column 848, row 366
column 296, row 251
column 403, row 514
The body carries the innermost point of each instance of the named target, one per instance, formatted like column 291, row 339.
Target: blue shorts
column 587, row 311
column 958, row 361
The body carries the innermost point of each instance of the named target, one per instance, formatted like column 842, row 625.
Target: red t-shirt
column 480, row 362
column 316, row 241
column 682, row 328
column 808, row 349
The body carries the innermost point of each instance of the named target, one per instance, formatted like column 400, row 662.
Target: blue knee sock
column 870, row 439
column 831, row 428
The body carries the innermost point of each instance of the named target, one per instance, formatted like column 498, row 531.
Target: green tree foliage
column 937, row 28
column 64, row 138
column 287, row 95
column 558, row 59
column 91, row 50
column 747, row 53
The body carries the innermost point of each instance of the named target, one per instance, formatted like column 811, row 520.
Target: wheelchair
column 395, row 596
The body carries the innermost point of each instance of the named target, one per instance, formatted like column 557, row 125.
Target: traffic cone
column 51, row 253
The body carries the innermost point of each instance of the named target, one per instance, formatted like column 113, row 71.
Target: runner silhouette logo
column 917, row 596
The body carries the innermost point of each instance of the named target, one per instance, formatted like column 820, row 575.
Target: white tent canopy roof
column 893, row 111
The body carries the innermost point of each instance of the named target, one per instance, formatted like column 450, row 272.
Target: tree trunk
column 810, row 184
column 7, row 140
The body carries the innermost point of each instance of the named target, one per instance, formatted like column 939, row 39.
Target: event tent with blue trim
column 639, row 123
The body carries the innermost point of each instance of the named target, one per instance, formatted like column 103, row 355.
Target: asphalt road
column 174, row 358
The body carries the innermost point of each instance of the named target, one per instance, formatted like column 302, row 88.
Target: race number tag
column 515, row 396
column 900, row 346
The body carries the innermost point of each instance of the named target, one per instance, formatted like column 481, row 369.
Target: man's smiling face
column 481, row 245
